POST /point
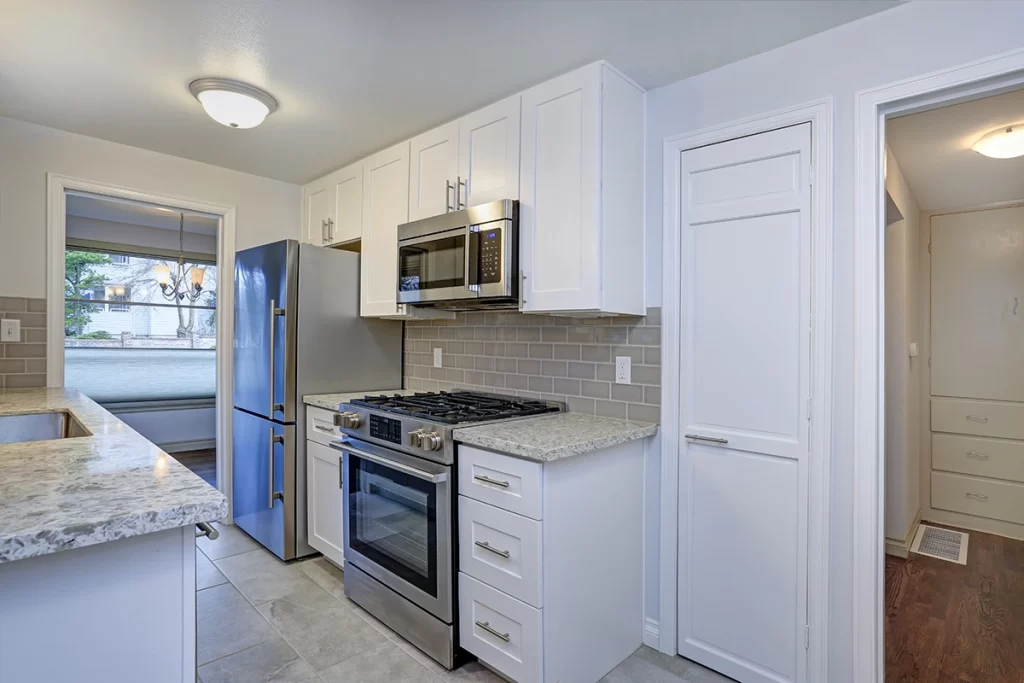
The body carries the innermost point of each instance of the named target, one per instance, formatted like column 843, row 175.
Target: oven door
column 398, row 523
column 437, row 267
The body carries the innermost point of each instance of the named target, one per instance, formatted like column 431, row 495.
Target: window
column 120, row 259
column 125, row 342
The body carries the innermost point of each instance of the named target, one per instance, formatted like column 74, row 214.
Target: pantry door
column 745, row 312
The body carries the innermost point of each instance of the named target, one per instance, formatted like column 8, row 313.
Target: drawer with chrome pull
column 980, row 497
column 500, row 480
column 500, row 548
column 321, row 426
column 978, row 418
column 980, row 456
column 500, row 630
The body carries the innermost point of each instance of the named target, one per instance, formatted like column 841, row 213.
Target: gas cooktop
column 456, row 407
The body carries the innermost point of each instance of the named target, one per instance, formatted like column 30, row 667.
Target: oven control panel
column 490, row 255
column 385, row 428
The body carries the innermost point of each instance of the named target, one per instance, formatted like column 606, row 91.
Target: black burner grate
column 458, row 406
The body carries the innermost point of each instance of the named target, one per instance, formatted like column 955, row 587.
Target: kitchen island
column 97, row 546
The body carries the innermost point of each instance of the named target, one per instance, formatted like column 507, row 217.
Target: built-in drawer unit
column 500, row 630
column 500, row 548
column 508, row 483
column 980, row 497
column 320, row 425
column 980, row 456
column 978, row 418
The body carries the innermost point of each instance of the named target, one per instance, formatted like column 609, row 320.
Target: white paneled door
column 746, row 344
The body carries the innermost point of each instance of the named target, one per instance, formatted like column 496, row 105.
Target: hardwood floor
column 946, row 622
column 203, row 463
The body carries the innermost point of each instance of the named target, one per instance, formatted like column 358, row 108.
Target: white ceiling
column 350, row 77
column 933, row 149
column 135, row 213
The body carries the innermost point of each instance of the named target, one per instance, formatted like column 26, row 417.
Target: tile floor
column 262, row 621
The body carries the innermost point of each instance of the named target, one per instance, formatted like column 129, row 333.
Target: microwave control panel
column 490, row 255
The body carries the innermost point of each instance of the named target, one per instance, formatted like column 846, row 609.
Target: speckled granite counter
column 331, row 401
column 554, row 436
column 81, row 491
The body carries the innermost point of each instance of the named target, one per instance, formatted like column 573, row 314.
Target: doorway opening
column 953, row 394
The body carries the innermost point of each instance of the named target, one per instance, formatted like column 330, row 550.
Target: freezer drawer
column 263, row 485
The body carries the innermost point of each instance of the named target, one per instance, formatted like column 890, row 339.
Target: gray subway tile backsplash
column 538, row 356
column 23, row 364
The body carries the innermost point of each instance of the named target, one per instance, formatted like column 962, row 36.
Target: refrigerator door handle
column 274, row 312
column 273, row 495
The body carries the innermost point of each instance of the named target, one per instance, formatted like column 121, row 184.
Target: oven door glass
column 393, row 521
column 435, row 265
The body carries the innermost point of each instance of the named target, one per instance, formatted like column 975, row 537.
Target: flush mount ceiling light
column 1002, row 143
column 232, row 103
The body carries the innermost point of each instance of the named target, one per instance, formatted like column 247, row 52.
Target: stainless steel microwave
column 462, row 259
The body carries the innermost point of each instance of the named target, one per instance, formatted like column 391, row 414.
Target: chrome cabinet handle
column 486, row 625
column 274, row 312
column 487, row 546
column 493, row 482
column 976, row 496
column 977, row 456
column 522, row 287
column 323, row 232
column 977, row 418
column 330, row 229
column 273, row 495
column 460, row 184
column 206, row 529
column 709, row 439
column 411, row 471
column 449, row 189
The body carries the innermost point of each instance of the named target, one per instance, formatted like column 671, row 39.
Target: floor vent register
column 945, row 544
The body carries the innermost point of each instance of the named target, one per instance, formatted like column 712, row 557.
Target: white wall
column 267, row 210
column 909, row 40
column 902, row 373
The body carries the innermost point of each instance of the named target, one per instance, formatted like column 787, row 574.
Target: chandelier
column 185, row 281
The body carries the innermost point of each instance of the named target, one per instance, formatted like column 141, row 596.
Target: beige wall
column 267, row 210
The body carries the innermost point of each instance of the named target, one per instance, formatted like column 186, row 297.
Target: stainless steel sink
column 40, row 427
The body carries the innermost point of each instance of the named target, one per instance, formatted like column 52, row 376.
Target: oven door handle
column 411, row 471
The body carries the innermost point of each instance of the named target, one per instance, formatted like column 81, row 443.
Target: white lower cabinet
column 325, row 496
column 551, row 562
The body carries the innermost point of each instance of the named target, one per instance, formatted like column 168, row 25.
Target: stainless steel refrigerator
column 297, row 332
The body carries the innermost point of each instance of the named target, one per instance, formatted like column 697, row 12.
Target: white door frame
column 989, row 76
column 56, row 233
column 819, row 114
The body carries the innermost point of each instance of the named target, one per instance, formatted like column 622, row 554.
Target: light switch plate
column 623, row 370
column 10, row 331
column 437, row 357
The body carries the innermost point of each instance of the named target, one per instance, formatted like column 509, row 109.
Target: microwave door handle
column 473, row 258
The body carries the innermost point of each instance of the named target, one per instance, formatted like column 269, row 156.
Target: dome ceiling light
column 232, row 103
column 1005, row 142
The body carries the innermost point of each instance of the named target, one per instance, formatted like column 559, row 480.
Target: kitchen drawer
column 979, row 497
column 993, row 458
column 320, row 425
column 500, row 480
column 979, row 418
column 502, row 631
column 501, row 549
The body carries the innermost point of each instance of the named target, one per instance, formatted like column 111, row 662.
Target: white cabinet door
column 489, row 153
column 318, row 203
column 977, row 312
column 325, row 498
column 347, row 191
column 385, row 207
column 746, row 247
column 559, row 202
column 433, row 165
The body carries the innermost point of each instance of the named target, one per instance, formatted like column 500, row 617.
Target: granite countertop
column 332, row 401
column 554, row 436
column 82, row 491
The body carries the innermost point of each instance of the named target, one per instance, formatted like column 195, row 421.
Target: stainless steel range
column 399, row 477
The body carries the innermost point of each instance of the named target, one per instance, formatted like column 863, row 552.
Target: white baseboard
column 651, row 637
column 185, row 446
column 901, row 548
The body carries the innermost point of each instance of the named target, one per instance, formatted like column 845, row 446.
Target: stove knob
column 351, row 420
column 416, row 438
column 430, row 441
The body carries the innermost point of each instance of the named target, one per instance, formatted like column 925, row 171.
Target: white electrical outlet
column 623, row 370
column 437, row 358
column 10, row 331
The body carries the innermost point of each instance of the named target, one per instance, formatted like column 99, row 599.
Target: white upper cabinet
column 385, row 207
column 489, row 153
column 581, row 204
column 347, row 185
column 434, row 162
column 317, row 207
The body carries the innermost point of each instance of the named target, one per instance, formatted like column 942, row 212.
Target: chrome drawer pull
column 977, row 456
column 487, row 546
column 486, row 625
column 976, row 496
column 493, row 482
column 709, row 439
column 977, row 418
